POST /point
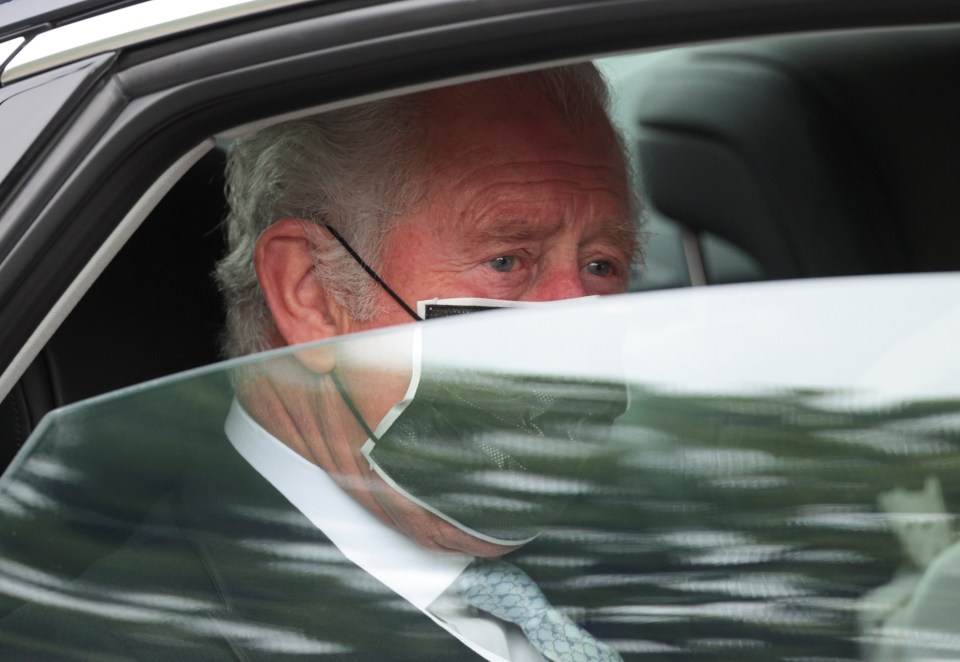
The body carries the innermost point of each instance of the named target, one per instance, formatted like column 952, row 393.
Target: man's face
column 522, row 206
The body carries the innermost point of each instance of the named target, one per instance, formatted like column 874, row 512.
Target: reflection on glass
column 775, row 525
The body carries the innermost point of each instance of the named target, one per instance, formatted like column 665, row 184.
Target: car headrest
column 803, row 151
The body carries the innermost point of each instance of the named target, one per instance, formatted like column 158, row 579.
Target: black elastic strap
column 347, row 400
column 372, row 273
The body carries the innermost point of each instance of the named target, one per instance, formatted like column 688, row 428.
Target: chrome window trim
column 9, row 47
column 125, row 27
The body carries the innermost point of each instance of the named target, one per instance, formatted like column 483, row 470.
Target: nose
column 559, row 284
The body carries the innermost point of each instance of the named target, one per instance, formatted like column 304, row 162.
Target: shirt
column 420, row 576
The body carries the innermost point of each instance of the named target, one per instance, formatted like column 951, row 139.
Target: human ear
column 301, row 307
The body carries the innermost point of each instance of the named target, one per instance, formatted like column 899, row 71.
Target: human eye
column 600, row 268
column 503, row 263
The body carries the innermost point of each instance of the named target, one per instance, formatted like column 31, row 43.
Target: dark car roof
column 109, row 26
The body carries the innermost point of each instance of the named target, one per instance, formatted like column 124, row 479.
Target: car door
column 728, row 521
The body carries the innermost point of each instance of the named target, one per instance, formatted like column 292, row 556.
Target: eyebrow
column 512, row 228
column 626, row 233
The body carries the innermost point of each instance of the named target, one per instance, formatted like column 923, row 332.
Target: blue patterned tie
column 508, row 593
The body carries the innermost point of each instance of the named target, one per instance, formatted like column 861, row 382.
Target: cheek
column 606, row 285
column 375, row 372
column 434, row 278
column 415, row 268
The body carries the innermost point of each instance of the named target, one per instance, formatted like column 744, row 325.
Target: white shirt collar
column 418, row 575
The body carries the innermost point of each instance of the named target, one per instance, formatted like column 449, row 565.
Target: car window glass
column 765, row 472
column 779, row 483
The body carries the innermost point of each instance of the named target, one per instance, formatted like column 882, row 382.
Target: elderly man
column 290, row 537
column 511, row 189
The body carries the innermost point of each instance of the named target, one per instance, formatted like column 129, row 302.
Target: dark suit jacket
column 220, row 567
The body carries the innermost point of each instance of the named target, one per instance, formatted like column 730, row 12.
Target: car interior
column 784, row 157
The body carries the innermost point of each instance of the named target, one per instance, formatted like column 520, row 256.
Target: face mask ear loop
column 372, row 273
column 348, row 401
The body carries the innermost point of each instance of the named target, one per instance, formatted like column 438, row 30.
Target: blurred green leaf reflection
column 720, row 527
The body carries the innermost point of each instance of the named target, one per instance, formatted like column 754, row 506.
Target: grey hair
column 358, row 170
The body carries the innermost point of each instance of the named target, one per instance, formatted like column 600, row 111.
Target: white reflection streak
column 763, row 613
column 609, row 581
column 704, row 539
column 51, row 469
column 530, row 483
column 763, row 586
column 265, row 638
column 750, row 482
column 832, row 556
column 100, row 602
column 889, row 442
column 947, row 423
column 830, row 604
column 842, row 520
column 560, row 561
column 176, row 613
column 642, row 646
column 309, row 552
column 274, row 515
column 316, row 560
column 921, row 638
column 706, row 462
column 714, row 644
column 491, row 502
column 26, row 582
column 740, row 555
column 593, row 539
column 544, row 446
column 664, row 580
column 27, row 496
column 921, row 519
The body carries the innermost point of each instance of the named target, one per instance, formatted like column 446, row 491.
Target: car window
column 777, row 484
column 759, row 472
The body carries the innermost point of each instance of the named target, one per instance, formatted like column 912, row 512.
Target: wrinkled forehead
column 516, row 120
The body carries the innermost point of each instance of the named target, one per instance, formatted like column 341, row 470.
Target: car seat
column 817, row 155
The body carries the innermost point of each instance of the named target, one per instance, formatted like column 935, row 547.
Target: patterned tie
column 508, row 593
